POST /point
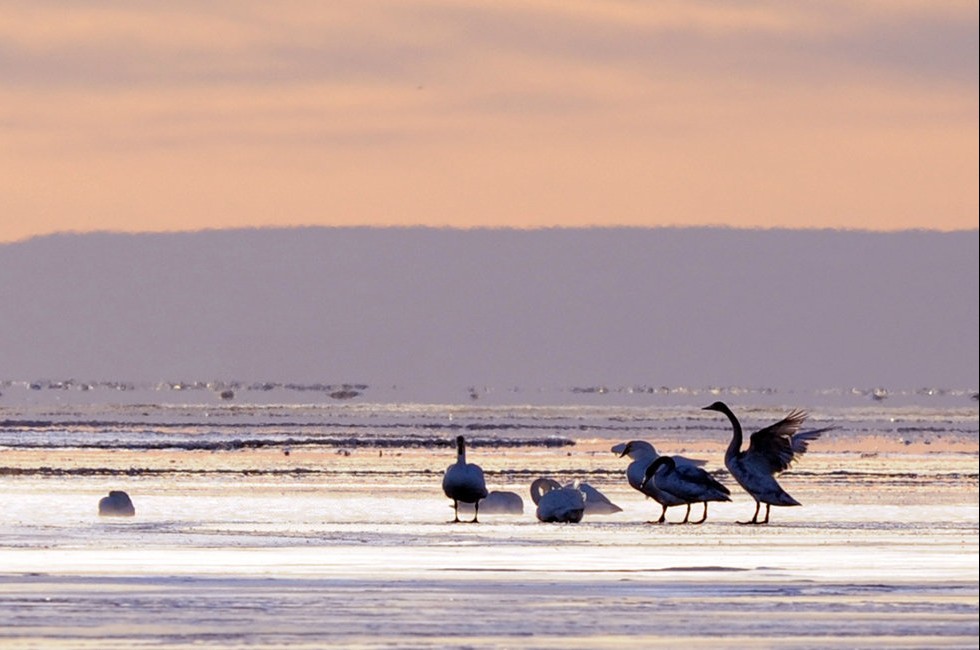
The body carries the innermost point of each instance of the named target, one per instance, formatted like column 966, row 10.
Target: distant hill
column 449, row 308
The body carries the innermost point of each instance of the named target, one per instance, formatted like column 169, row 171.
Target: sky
column 126, row 116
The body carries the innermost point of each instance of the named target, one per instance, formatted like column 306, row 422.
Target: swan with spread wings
column 771, row 450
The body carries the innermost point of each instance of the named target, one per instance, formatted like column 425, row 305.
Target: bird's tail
column 787, row 500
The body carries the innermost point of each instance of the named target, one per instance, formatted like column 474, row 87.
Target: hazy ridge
column 439, row 309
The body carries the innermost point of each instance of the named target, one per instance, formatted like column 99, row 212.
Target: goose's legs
column 704, row 516
column 663, row 516
column 766, row 520
column 457, row 520
column 687, row 514
column 755, row 517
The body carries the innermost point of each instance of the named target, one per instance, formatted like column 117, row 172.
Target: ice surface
column 350, row 545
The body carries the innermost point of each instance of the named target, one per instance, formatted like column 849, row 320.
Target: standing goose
column 687, row 482
column 464, row 482
column 643, row 454
column 771, row 451
column 557, row 504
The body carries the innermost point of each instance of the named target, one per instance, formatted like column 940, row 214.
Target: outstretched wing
column 774, row 444
column 801, row 441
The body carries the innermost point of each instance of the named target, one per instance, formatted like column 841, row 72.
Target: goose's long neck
column 662, row 461
column 537, row 491
column 736, row 444
column 460, row 451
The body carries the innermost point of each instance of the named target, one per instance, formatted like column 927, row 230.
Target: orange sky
column 187, row 115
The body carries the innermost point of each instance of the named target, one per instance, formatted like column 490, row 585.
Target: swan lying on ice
column 497, row 502
column 117, row 504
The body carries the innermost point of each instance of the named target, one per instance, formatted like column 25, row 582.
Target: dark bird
column 642, row 453
column 498, row 502
column 464, row 482
column 771, row 451
column 687, row 482
column 117, row 504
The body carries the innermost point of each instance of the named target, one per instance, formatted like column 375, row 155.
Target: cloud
column 125, row 44
column 611, row 111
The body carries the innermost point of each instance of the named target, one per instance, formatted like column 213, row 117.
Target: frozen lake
column 324, row 524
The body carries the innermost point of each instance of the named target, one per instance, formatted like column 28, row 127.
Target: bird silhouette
column 771, row 450
column 464, row 482
column 642, row 453
column 687, row 482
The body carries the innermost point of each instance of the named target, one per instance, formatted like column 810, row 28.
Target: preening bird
column 642, row 453
column 596, row 503
column 556, row 503
column 687, row 482
column 464, row 482
column 771, row 450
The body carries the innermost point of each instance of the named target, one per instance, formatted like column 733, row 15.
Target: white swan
column 642, row 453
column 687, row 482
column 464, row 482
column 556, row 503
column 771, row 451
column 596, row 503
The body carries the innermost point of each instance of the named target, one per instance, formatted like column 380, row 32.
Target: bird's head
column 623, row 448
column 635, row 449
column 721, row 407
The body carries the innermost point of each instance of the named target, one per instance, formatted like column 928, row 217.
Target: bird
column 464, row 482
column 643, row 454
column 117, row 504
column 687, row 482
column 596, row 503
column 557, row 504
column 771, row 450
column 498, row 502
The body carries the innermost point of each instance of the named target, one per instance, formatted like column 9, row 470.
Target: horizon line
column 477, row 228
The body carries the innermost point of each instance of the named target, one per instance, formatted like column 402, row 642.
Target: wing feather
column 801, row 441
column 774, row 444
